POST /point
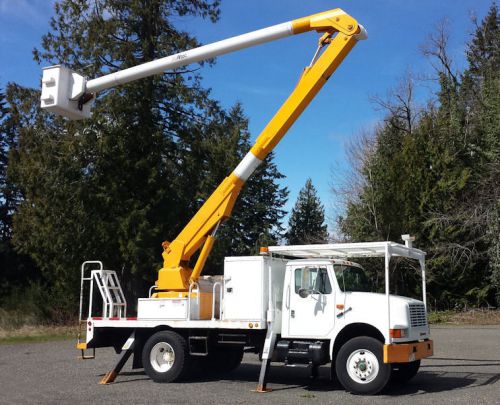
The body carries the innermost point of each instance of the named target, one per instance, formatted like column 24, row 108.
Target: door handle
column 292, row 313
column 287, row 300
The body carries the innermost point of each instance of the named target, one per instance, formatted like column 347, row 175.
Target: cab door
column 310, row 302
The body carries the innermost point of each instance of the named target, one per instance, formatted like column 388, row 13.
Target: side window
column 313, row 279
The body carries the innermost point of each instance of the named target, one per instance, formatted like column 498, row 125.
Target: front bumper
column 407, row 352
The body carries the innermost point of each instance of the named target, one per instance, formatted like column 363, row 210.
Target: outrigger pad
column 261, row 389
column 108, row 378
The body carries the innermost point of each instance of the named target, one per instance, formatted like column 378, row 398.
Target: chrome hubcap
column 162, row 357
column 362, row 366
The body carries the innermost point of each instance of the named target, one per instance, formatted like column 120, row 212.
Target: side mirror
column 306, row 292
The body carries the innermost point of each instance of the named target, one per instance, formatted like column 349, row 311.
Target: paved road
column 465, row 370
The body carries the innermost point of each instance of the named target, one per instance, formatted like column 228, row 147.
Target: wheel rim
column 362, row 366
column 162, row 357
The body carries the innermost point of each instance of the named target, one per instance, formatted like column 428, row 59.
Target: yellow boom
column 340, row 32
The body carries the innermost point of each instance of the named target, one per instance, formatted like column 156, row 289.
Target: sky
column 261, row 78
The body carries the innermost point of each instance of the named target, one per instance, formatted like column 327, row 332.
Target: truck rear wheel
column 165, row 357
column 403, row 372
column 360, row 367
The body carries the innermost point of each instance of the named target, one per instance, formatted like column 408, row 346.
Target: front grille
column 418, row 316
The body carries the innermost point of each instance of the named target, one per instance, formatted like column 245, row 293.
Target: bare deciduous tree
column 399, row 104
column 436, row 48
column 348, row 185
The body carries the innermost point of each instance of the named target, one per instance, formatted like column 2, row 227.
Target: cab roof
column 348, row 250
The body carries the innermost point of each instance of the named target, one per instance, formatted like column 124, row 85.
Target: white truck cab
column 323, row 296
column 330, row 313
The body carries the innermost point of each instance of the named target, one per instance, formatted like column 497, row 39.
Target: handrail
column 219, row 284
column 189, row 298
column 82, row 279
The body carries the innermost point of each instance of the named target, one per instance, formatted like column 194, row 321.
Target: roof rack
column 348, row 250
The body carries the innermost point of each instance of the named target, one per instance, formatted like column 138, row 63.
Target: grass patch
column 469, row 317
column 18, row 327
column 40, row 333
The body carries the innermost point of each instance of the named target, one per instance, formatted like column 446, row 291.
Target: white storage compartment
column 162, row 308
column 247, row 283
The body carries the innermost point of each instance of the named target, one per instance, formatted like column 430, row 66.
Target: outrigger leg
column 267, row 354
column 127, row 350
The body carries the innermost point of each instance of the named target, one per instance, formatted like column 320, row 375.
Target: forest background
column 114, row 187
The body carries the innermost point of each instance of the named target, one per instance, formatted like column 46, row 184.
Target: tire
column 223, row 359
column 165, row 357
column 360, row 367
column 403, row 372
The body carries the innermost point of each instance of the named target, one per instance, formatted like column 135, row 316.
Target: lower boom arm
column 176, row 276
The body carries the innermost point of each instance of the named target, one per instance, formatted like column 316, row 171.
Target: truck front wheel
column 360, row 367
column 165, row 357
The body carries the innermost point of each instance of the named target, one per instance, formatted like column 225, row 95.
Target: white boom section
column 62, row 87
column 194, row 55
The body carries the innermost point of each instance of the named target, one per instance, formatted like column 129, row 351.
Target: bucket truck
column 306, row 305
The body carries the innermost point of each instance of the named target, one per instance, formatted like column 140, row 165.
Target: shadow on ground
column 285, row 378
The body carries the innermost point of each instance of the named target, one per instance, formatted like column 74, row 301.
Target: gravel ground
column 464, row 370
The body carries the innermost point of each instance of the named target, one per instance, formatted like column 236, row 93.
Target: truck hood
column 372, row 307
column 377, row 299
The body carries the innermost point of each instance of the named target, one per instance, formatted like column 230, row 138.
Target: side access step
column 83, row 346
column 198, row 345
column 232, row 339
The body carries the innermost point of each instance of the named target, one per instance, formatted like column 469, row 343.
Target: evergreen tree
column 108, row 187
column 5, row 142
column 306, row 224
column 117, row 185
column 5, row 214
column 439, row 180
column 3, row 166
column 16, row 271
column 481, row 95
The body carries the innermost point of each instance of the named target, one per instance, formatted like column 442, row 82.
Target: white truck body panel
column 253, row 285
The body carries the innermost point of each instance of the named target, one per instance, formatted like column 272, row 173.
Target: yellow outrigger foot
column 262, row 389
column 108, row 378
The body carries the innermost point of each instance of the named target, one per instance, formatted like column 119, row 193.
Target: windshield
column 352, row 278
